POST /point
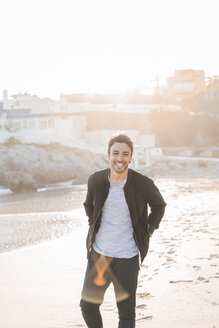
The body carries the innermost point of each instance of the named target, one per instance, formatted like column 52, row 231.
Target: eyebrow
column 124, row 152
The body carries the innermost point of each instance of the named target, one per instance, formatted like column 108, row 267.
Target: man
column 119, row 229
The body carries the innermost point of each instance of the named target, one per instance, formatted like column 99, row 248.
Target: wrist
column 150, row 229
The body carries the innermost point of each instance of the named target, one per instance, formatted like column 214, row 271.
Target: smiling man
column 119, row 231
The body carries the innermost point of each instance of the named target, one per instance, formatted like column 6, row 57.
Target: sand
column 41, row 278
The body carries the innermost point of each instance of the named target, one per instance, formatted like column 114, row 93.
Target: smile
column 120, row 165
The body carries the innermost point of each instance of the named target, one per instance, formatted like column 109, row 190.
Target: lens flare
column 99, row 278
column 101, row 265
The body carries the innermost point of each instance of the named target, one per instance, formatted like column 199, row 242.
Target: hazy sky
column 54, row 46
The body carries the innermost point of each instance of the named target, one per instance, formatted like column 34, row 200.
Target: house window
column 43, row 125
column 17, row 125
column 31, row 125
column 50, row 123
column 25, row 124
column 184, row 86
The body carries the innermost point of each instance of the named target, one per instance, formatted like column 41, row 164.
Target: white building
column 42, row 128
column 33, row 102
column 35, row 120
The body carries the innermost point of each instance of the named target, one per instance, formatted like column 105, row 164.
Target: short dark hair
column 120, row 137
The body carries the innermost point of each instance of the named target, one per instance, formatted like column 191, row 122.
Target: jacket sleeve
column 157, row 206
column 88, row 204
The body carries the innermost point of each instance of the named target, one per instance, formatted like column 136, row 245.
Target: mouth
column 119, row 165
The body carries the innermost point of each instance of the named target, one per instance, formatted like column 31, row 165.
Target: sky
column 53, row 47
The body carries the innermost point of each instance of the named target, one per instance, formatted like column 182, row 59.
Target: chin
column 118, row 170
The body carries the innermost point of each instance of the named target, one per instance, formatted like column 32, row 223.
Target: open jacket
column 140, row 191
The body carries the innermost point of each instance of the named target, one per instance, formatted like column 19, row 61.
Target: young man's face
column 119, row 157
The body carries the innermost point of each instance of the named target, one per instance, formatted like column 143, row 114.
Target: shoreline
column 31, row 218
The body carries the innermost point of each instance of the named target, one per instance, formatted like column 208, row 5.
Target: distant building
column 105, row 119
column 72, row 103
column 35, row 103
column 65, row 124
column 185, row 84
column 93, row 122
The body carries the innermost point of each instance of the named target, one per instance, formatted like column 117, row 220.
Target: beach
column 43, row 259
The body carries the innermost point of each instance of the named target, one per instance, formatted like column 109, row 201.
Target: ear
column 130, row 159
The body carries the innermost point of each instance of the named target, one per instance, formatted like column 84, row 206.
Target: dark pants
column 123, row 273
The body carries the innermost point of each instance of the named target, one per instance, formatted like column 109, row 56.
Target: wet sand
column 179, row 280
column 30, row 218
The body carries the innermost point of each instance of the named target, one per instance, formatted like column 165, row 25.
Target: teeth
column 119, row 164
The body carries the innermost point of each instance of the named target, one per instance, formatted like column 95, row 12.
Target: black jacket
column 140, row 191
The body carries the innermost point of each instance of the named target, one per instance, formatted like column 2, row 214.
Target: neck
column 117, row 177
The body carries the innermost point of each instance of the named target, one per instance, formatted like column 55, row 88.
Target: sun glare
column 103, row 46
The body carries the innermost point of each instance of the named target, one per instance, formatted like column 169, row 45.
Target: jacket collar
column 107, row 173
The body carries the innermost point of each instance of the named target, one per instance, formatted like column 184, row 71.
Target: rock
column 18, row 181
column 40, row 165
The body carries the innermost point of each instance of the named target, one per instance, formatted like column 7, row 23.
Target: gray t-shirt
column 115, row 235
